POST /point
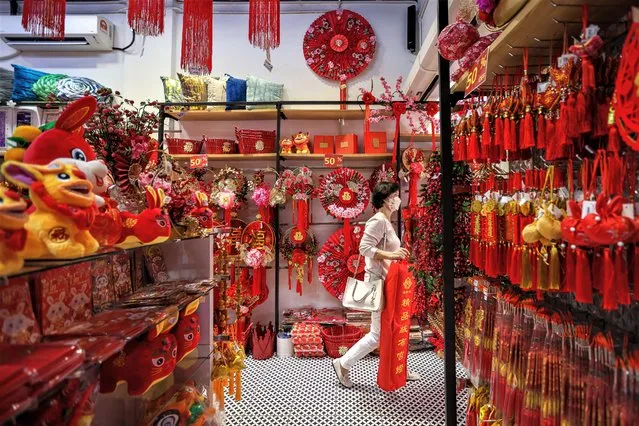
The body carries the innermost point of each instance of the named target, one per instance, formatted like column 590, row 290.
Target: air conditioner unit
column 82, row 33
column 425, row 67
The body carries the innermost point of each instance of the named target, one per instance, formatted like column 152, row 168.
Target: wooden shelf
column 267, row 114
column 537, row 22
column 226, row 157
column 320, row 157
column 223, row 115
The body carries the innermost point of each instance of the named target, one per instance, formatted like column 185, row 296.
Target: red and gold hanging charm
column 197, row 36
column 399, row 109
column 258, row 244
column 44, row 17
column 146, row 17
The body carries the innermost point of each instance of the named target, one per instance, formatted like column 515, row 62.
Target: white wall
column 136, row 72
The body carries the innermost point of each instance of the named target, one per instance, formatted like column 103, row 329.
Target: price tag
column 628, row 210
column 333, row 160
column 477, row 73
column 200, row 161
column 588, row 207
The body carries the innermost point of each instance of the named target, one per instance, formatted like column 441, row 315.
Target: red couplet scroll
column 393, row 347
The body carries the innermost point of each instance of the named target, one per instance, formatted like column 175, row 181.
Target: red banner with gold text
column 393, row 346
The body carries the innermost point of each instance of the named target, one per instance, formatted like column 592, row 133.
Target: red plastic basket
column 220, row 146
column 255, row 141
column 339, row 339
column 183, row 146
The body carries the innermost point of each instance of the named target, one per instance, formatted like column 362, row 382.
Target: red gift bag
column 393, row 347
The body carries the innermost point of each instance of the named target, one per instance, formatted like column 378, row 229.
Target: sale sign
column 200, row 161
column 477, row 73
column 333, row 160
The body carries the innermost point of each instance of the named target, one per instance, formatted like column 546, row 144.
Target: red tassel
column 290, row 286
column 257, row 281
column 562, row 125
column 462, row 148
column 573, row 124
column 514, row 135
column 499, row 131
column 347, row 237
column 514, row 270
column 529, row 131
column 264, row 23
column 583, row 117
column 146, row 17
column 583, row 279
column 587, row 75
column 508, row 136
column 614, row 142
column 621, row 277
column 635, row 272
column 474, row 151
column 541, row 132
column 44, row 17
column 485, row 132
column 601, row 118
column 609, row 285
column 551, row 140
column 197, row 36
column 569, row 277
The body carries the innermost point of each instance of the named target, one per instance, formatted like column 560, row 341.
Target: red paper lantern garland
column 339, row 45
column 334, row 265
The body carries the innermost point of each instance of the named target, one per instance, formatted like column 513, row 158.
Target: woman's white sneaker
column 342, row 374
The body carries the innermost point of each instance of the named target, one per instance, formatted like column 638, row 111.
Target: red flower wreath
column 384, row 173
column 334, row 266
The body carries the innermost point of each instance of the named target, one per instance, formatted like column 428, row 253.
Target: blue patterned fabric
column 235, row 91
column 23, row 80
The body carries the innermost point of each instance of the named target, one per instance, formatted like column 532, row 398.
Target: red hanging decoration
column 197, row 36
column 264, row 23
column 44, row 17
column 146, row 17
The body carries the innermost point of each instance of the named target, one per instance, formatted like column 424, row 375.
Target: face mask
column 394, row 203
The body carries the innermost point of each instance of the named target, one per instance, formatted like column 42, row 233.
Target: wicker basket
column 255, row 141
column 220, row 146
column 339, row 339
column 183, row 146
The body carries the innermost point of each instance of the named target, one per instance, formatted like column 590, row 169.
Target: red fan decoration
column 298, row 248
column 338, row 46
column 384, row 173
column 146, row 17
column 197, row 36
column 334, row 266
column 626, row 93
column 344, row 194
column 44, row 17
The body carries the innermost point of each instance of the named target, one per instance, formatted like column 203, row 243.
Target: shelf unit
column 284, row 110
column 538, row 22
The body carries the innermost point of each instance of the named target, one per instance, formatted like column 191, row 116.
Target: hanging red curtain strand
column 44, row 17
column 146, row 17
column 197, row 36
column 264, row 23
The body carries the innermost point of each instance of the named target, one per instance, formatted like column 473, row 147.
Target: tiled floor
column 297, row 392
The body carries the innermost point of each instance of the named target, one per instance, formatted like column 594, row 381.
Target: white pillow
column 216, row 91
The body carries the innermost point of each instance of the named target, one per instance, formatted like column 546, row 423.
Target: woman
column 379, row 246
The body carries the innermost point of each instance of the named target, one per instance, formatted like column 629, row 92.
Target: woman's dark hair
column 382, row 191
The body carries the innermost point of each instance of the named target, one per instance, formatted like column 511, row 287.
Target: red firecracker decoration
column 44, row 17
column 264, row 23
column 339, row 45
column 146, row 17
column 197, row 36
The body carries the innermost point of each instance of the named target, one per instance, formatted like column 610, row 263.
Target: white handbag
column 364, row 295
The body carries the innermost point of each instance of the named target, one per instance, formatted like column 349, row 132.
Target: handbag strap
column 359, row 258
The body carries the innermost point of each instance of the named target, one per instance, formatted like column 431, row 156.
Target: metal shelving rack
column 281, row 111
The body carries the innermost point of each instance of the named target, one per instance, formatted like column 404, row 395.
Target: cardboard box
column 323, row 144
column 346, row 144
column 375, row 143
